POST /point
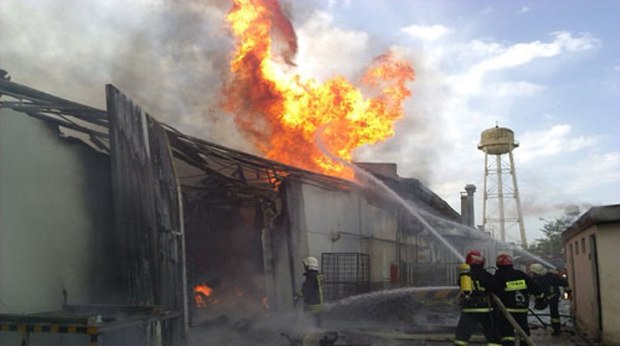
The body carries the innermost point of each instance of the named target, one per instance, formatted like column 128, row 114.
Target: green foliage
column 552, row 245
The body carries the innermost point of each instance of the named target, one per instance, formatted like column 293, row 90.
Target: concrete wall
column 54, row 217
column 582, row 280
column 608, row 239
column 380, row 226
column 323, row 220
column 332, row 220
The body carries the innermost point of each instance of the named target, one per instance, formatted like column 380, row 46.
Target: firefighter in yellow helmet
column 476, row 286
column 312, row 289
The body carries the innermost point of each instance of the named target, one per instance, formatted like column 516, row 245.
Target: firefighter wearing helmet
column 550, row 284
column 476, row 286
column 312, row 289
column 515, row 292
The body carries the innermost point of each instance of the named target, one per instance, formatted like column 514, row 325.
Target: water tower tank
column 497, row 141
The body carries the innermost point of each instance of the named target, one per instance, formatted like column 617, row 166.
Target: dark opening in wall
column 224, row 259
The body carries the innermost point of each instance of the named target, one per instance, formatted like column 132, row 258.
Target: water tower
column 501, row 210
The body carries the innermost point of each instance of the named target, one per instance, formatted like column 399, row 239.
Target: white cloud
column 585, row 41
column 524, row 9
column 556, row 140
column 334, row 3
column 522, row 53
column 425, row 32
column 512, row 89
column 481, row 49
column 595, row 170
column 502, row 58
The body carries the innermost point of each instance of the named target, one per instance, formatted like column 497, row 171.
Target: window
column 577, row 247
column 570, row 249
column 583, row 245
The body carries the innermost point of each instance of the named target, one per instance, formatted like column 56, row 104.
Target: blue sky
column 549, row 70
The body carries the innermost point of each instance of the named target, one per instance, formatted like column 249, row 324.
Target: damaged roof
column 208, row 160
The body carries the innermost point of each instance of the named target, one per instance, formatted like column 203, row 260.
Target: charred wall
column 148, row 228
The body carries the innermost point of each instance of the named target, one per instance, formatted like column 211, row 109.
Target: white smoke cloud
column 170, row 56
column 326, row 50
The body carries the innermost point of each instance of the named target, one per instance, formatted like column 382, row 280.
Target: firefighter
column 312, row 289
column 515, row 292
column 476, row 284
column 550, row 284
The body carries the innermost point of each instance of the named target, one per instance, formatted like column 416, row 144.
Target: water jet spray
column 390, row 193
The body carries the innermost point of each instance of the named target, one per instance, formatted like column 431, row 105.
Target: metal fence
column 345, row 274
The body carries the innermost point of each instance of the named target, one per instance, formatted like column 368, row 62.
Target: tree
column 552, row 245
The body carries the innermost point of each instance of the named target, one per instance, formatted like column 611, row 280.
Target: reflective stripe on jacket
column 516, row 288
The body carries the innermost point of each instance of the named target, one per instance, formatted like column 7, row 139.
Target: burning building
column 137, row 233
column 118, row 227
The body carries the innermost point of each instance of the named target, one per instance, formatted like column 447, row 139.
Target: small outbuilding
column 592, row 257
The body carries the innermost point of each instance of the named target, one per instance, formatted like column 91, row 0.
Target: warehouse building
column 117, row 228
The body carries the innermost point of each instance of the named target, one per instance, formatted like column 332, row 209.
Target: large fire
column 282, row 113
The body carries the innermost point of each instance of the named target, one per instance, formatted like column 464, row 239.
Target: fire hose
column 512, row 321
column 538, row 318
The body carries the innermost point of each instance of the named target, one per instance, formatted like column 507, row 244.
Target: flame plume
column 281, row 112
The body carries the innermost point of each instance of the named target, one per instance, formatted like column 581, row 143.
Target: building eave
column 594, row 216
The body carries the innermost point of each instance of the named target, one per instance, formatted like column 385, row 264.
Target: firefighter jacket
column 516, row 289
column 483, row 284
column 550, row 284
column 312, row 291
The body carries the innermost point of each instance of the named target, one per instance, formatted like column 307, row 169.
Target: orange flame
column 282, row 113
column 201, row 292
